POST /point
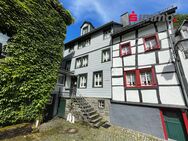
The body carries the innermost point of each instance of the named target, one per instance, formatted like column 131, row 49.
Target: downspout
column 181, row 73
column 178, row 66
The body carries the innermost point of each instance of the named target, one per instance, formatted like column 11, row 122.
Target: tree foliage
column 29, row 72
column 179, row 19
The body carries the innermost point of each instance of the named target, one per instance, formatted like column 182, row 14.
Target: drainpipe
column 178, row 65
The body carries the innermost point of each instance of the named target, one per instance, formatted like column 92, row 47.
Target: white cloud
column 92, row 9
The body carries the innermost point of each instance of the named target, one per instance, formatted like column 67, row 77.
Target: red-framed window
column 140, row 78
column 125, row 49
column 151, row 42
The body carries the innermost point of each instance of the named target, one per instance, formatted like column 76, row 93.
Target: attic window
column 106, row 34
column 85, row 30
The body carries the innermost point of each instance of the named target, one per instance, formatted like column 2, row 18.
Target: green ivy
column 28, row 74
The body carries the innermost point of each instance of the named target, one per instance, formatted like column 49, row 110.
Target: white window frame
column 97, row 78
column 146, row 74
column 130, row 76
column 83, row 81
column 85, row 30
column 106, row 55
column 106, row 34
column 101, row 104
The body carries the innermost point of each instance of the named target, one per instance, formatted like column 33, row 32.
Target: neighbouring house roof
column 180, row 27
column 143, row 23
column 87, row 23
column 91, row 32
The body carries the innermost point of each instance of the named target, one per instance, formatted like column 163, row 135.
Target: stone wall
column 104, row 112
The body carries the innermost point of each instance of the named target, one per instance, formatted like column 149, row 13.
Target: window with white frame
column 78, row 62
column 84, row 44
column 151, row 43
column 106, row 34
column 61, row 79
column 106, row 55
column 85, row 30
column 81, row 62
column 125, row 49
column 146, row 78
column 84, row 61
column 71, row 49
column 101, row 104
column 97, row 79
column 83, row 81
column 137, row 78
column 130, row 79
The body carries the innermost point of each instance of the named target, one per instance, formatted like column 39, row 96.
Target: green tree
column 28, row 74
column 179, row 19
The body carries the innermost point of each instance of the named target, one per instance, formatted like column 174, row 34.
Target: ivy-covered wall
column 28, row 74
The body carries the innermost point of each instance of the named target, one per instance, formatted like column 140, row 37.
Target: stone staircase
column 89, row 114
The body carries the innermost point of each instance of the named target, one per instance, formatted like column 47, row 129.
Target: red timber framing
column 137, row 73
column 185, row 119
column 151, row 37
column 163, row 125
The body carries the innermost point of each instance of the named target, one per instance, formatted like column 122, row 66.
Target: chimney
column 125, row 19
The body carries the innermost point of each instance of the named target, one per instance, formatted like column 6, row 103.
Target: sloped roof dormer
column 86, row 27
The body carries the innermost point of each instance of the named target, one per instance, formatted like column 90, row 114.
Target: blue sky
column 99, row 12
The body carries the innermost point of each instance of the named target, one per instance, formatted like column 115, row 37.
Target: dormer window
column 85, row 30
column 106, row 34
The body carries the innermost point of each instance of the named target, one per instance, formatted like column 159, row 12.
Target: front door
column 175, row 125
column 61, row 108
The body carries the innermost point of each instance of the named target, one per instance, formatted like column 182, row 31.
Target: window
column 97, row 79
column 78, row 62
column 82, row 62
column 101, row 104
column 106, row 34
column 84, row 44
column 130, row 79
column 83, row 81
column 125, row 49
column 61, row 79
column 146, row 78
column 140, row 78
column 151, row 43
column 68, row 65
column 71, row 49
column 85, row 30
column 106, row 55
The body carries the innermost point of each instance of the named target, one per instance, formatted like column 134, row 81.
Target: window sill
column 97, row 87
column 126, row 55
column 141, row 87
column 148, row 50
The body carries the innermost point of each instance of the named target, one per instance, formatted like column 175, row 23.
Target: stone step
column 98, row 124
column 93, row 115
column 96, row 120
column 91, row 112
column 87, row 109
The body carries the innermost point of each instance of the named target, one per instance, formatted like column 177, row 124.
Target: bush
column 29, row 72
